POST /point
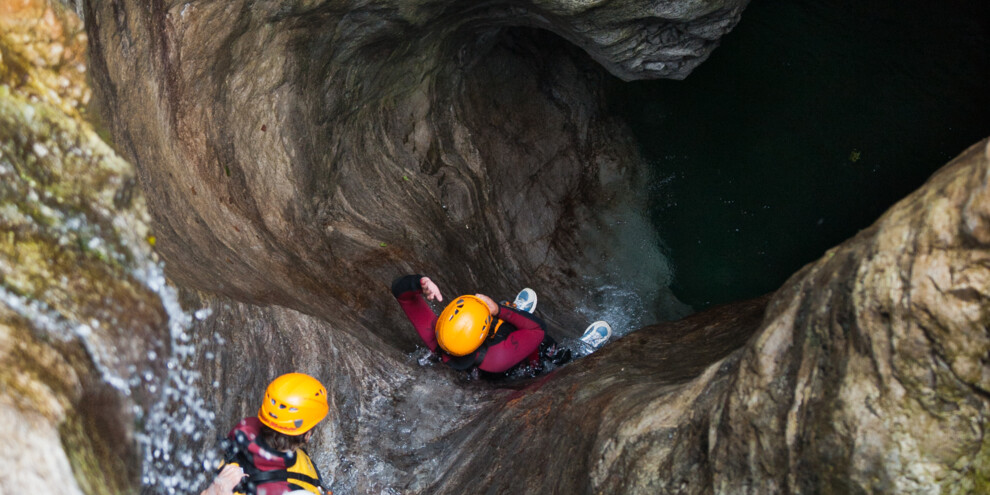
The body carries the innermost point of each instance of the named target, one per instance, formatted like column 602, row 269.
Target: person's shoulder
column 517, row 314
column 250, row 425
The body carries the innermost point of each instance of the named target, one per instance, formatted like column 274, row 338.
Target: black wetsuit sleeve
column 405, row 284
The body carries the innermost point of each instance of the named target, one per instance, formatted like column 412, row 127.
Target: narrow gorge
column 198, row 196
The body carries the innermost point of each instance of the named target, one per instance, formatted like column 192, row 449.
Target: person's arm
column 409, row 291
column 520, row 319
column 519, row 345
column 226, row 480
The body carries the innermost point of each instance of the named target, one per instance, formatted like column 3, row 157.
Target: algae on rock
column 74, row 272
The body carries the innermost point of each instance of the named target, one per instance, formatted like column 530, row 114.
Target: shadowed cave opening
column 804, row 125
column 807, row 123
column 526, row 91
column 707, row 202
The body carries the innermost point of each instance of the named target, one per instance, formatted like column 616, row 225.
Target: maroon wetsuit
column 519, row 336
column 269, row 471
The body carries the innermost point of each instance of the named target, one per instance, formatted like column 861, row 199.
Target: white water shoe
column 525, row 300
column 597, row 334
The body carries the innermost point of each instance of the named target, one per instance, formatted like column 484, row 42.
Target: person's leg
column 553, row 352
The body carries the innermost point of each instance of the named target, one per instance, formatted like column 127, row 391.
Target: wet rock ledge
column 290, row 159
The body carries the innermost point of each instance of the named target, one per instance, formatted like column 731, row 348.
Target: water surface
column 809, row 121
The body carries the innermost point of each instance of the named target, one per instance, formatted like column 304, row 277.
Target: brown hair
column 282, row 442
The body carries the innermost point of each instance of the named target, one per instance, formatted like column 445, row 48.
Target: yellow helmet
column 463, row 325
column 294, row 403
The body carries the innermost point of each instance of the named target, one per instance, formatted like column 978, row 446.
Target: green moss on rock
column 74, row 262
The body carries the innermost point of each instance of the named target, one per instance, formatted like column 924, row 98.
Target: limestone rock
column 304, row 154
column 870, row 372
column 295, row 157
column 79, row 313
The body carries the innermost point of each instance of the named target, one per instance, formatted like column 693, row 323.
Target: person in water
column 473, row 331
column 264, row 452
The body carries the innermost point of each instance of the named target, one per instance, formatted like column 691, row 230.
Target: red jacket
column 519, row 336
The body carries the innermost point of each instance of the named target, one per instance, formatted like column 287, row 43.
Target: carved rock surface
column 870, row 371
column 296, row 157
column 303, row 154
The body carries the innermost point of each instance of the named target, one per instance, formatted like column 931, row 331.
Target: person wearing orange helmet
column 472, row 331
column 264, row 452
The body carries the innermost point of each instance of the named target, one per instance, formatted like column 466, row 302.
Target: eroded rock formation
column 307, row 152
column 296, row 157
column 79, row 313
column 304, row 154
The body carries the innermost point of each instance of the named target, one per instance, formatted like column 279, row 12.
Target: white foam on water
column 631, row 288
column 177, row 410
column 172, row 423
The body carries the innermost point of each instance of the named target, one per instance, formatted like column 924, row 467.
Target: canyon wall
column 290, row 160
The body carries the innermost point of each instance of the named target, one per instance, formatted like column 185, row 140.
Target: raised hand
column 492, row 305
column 430, row 289
column 224, row 484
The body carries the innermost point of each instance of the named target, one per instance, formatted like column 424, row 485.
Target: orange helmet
column 463, row 325
column 294, row 403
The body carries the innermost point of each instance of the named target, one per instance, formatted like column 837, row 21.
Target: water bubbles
column 202, row 314
column 152, row 355
column 423, row 356
column 155, row 284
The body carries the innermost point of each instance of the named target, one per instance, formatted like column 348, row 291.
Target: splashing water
column 59, row 186
column 176, row 418
column 177, row 411
column 632, row 287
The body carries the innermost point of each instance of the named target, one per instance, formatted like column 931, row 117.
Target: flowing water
column 59, row 191
column 174, row 423
column 804, row 126
column 809, row 121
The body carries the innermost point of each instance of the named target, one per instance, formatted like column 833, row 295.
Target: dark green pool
column 810, row 120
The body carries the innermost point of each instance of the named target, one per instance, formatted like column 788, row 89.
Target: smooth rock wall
column 295, row 159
